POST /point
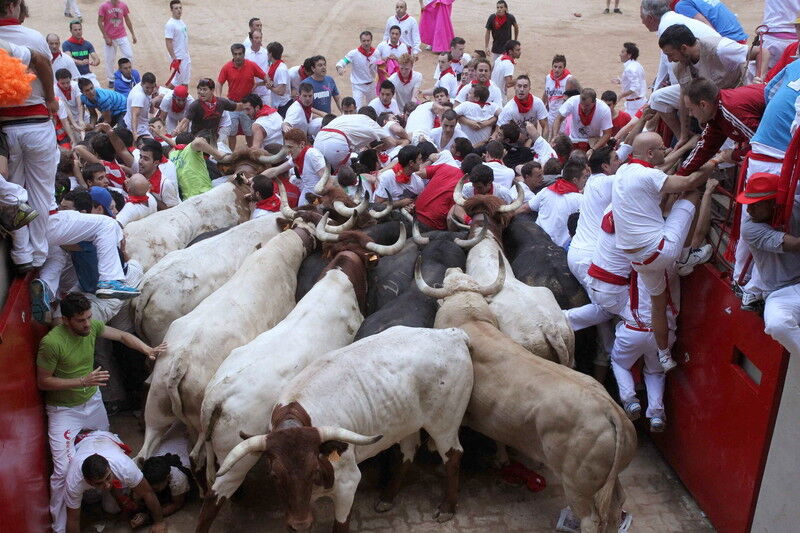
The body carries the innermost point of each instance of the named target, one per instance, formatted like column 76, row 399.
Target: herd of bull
column 321, row 336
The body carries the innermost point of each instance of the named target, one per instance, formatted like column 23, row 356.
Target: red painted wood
column 720, row 420
column 24, row 457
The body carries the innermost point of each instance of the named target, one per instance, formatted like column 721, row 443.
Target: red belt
column 346, row 158
column 604, row 275
column 652, row 257
column 340, row 132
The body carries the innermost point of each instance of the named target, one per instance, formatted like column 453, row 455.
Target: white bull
column 547, row 411
column 391, row 385
column 257, row 297
column 183, row 278
column 252, row 377
column 151, row 238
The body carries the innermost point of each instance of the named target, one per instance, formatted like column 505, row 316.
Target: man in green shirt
column 189, row 156
column 64, row 372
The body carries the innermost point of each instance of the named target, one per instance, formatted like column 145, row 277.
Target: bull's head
column 487, row 208
column 357, row 242
column 298, row 460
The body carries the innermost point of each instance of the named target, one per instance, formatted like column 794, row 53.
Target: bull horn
column 255, row 444
column 327, row 433
column 417, row 236
column 469, row 243
column 388, row 207
column 272, row 159
column 345, row 211
column 408, row 216
column 319, row 188
column 516, row 204
column 458, row 196
column 286, row 211
column 381, row 249
column 495, row 287
column 321, row 232
column 458, row 223
column 346, row 225
column 424, row 288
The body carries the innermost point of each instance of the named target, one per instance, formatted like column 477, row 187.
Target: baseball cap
column 102, row 197
column 181, row 91
column 760, row 186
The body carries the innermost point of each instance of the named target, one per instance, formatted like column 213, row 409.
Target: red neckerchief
column 633, row 160
column 67, row 95
column 401, row 19
column 10, row 22
column 607, row 223
column 302, row 72
column 306, row 109
column 55, row 56
column 562, row 186
column 399, row 175
column 586, row 118
column 383, row 157
column 155, row 181
column 524, row 105
column 79, row 42
column 506, row 57
column 558, row 81
column 209, row 108
column 273, row 203
column 458, row 157
column 445, row 71
column 672, row 4
column 407, row 80
column 499, row 21
column 265, row 111
column 488, row 82
column 138, row 199
column 461, row 86
column 300, row 160
column 494, row 161
column 455, row 61
column 394, row 46
column 436, row 122
column 174, row 105
column 272, row 68
column 483, row 104
column 361, row 49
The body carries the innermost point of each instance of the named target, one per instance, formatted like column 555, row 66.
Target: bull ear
column 283, row 223
column 332, row 449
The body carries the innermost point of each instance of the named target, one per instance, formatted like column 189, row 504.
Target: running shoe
column 41, row 301
column 697, row 256
column 116, row 290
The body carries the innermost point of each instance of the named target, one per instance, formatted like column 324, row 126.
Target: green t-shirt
column 69, row 356
column 193, row 178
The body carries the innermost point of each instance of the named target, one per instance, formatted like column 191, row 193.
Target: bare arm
column 129, row 24
column 486, row 40
column 258, row 136
column 41, row 65
column 133, row 342
column 201, row 145
column 676, row 184
column 121, row 150
column 46, row 381
column 556, row 126
column 134, row 126
column 170, row 49
column 73, row 520
column 791, row 243
column 338, row 101
column 702, row 19
column 102, row 31
column 603, row 140
column 516, row 31
column 145, row 492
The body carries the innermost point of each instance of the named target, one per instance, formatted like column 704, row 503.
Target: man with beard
column 524, row 107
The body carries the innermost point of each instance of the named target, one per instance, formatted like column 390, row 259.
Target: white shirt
column 272, row 125
column 409, row 31
column 780, row 14
column 607, row 256
column 73, row 102
column 596, row 198
column 379, row 108
column 421, row 119
column 169, row 182
column 436, row 137
column 511, row 113
column 636, row 197
column 670, row 18
column 633, row 79
column 363, row 68
column 281, row 78
column 65, row 61
column 105, row 444
column 388, row 186
column 313, row 163
column 294, row 78
column 476, row 112
column 601, row 120
column 296, row 117
column 360, row 130
column 449, row 82
column 502, row 68
column 495, row 95
column 543, row 151
column 555, row 95
column 131, row 211
column 23, row 36
column 503, row 176
column 504, row 193
column 386, row 50
column 138, row 98
column 173, row 118
column 176, row 30
column 554, row 212
column 405, row 92
column 457, row 65
column 261, row 58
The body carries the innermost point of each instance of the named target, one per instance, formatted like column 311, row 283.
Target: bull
column 545, row 410
column 325, row 422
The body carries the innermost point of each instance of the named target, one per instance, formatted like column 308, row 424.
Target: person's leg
column 125, row 48
column 111, row 62
column 623, row 356
column 63, row 424
column 654, row 379
column 586, row 316
column 781, row 317
column 107, row 240
column 666, row 101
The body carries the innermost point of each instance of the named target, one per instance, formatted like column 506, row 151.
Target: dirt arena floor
column 591, row 42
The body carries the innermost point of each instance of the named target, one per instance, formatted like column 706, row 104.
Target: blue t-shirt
column 79, row 51
column 323, row 92
column 107, row 100
column 721, row 18
column 123, row 86
column 781, row 93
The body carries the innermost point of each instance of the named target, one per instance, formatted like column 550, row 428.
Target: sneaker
column 751, row 302
column 657, row 424
column 617, row 11
column 633, row 410
column 697, row 256
column 625, row 522
column 116, row 290
column 41, row 301
column 13, row 217
column 666, row 360
column 568, row 522
column 606, row 11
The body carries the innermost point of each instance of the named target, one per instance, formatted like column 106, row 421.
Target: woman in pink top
column 112, row 17
column 435, row 26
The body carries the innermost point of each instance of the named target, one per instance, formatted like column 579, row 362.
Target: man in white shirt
column 176, row 38
column 308, row 163
column 632, row 81
column 652, row 243
column 524, row 107
column 591, row 120
column 69, row 94
column 557, row 202
column 385, row 102
column 400, row 183
column 59, row 59
column 162, row 175
column 458, row 58
column 493, row 158
column 483, row 73
column 409, row 29
column 173, row 106
column 346, row 134
column 256, row 53
column 267, row 122
column 140, row 203
column 137, row 117
column 483, row 181
column 254, row 24
column 280, row 91
column 477, row 115
column 447, row 76
column 406, row 82
column 503, row 71
column 363, row 61
column 421, row 122
column 301, row 114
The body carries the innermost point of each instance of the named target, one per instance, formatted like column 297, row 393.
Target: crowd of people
column 623, row 180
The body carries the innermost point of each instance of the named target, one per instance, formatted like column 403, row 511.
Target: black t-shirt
column 503, row 35
column 516, row 155
column 202, row 121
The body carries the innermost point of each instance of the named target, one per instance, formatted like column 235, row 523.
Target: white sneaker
column 697, row 256
column 625, row 522
column 657, row 424
column 666, row 360
column 633, row 410
column 568, row 522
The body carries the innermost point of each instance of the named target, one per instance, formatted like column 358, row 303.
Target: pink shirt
column 114, row 19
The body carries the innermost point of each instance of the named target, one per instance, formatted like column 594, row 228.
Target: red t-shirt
column 618, row 123
column 435, row 201
column 240, row 80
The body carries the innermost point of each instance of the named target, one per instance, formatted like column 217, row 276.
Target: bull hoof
column 382, row 507
column 443, row 516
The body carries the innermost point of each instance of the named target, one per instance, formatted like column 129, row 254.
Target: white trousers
column 63, row 424
column 666, row 99
column 335, row 150
column 578, row 261
column 781, row 317
column 629, row 346
column 775, row 46
column 71, row 6
column 72, row 227
column 33, row 158
column 125, row 50
column 633, row 106
column 11, row 193
column 184, row 74
column 363, row 93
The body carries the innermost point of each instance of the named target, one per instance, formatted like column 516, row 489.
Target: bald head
column 53, row 42
column 649, row 146
column 138, row 185
column 572, row 84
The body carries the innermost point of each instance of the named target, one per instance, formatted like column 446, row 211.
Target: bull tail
column 611, row 489
column 203, row 451
column 176, row 374
column 564, row 353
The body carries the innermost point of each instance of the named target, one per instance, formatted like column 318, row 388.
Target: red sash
column 272, row 68
column 524, row 106
column 562, row 186
column 607, row 223
column 604, row 275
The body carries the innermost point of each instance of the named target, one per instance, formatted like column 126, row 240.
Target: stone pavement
column 656, row 498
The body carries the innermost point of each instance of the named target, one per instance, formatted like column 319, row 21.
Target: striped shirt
column 107, row 100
